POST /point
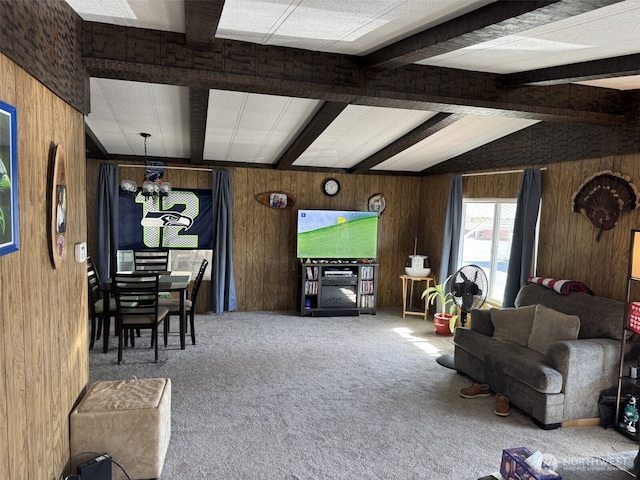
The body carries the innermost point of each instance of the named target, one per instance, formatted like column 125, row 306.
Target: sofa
column 551, row 356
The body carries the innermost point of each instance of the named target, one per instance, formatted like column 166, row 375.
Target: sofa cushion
column 513, row 325
column 477, row 344
column 551, row 326
column 524, row 365
column 599, row 317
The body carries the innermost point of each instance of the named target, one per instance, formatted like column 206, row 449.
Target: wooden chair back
column 137, row 306
column 197, row 282
column 151, row 260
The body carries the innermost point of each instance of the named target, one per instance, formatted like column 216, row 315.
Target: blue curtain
column 107, row 221
column 452, row 228
column 524, row 233
column 223, row 289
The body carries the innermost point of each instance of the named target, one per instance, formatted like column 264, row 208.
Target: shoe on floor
column 476, row 390
column 502, row 405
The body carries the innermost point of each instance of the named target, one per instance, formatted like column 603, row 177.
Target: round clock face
column 331, row 187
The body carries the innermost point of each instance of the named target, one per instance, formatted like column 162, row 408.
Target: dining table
column 174, row 281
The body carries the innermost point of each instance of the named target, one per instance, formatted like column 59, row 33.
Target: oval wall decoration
column 58, row 202
column 278, row 200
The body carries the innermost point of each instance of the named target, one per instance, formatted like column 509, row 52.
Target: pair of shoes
column 476, row 390
column 502, row 405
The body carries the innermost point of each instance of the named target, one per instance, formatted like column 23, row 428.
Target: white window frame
column 181, row 260
column 493, row 264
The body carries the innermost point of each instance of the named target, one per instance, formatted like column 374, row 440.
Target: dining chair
column 136, row 297
column 96, row 302
column 173, row 304
column 151, row 260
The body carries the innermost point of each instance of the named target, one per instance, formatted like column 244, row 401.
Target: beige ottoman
column 128, row 419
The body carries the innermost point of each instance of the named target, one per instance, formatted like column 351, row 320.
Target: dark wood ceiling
column 576, row 120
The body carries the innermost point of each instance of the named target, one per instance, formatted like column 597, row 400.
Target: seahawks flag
column 182, row 219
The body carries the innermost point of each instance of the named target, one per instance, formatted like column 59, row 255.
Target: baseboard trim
column 582, row 422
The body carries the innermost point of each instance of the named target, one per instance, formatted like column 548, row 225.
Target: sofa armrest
column 587, row 365
column 481, row 322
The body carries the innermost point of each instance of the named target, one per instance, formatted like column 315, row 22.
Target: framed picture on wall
column 9, row 218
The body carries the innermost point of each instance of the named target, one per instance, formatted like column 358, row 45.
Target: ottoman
column 128, row 419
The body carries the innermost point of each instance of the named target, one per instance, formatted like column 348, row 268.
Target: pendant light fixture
column 152, row 187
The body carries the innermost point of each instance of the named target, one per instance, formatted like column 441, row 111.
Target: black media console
column 337, row 288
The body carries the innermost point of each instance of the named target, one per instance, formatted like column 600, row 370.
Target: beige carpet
column 271, row 395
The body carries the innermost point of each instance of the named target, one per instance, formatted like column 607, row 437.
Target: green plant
column 442, row 293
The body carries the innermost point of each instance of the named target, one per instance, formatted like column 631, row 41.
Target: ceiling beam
column 622, row 66
column 422, row 131
column 496, row 20
column 198, row 108
column 201, row 18
column 320, row 121
column 125, row 53
column 93, row 146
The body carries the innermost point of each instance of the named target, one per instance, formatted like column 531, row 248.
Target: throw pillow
column 551, row 326
column 513, row 325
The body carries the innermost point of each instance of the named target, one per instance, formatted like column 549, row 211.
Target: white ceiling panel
column 121, row 110
column 247, row 127
column 460, row 137
column 606, row 32
column 359, row 132
column 338, row 26
column 153, row 14
column 631, row 82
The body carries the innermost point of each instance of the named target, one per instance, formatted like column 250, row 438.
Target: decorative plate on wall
column 377, row 203
column 58, row 204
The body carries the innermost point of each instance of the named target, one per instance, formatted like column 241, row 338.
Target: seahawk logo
column 166, row 219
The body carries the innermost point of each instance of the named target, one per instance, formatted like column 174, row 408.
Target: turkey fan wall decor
column 603, row 196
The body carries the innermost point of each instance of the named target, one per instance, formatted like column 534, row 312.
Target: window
column 487, row 232
column 179, row 260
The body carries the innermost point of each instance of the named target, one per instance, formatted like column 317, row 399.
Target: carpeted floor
column 271, row 395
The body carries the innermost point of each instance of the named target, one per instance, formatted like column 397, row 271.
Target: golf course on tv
column 341, row 235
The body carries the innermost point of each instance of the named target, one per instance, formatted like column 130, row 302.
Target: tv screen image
column 327, row 234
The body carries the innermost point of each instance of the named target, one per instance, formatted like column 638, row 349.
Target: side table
column 407, row 284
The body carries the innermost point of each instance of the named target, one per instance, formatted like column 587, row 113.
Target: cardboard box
column 514, row 467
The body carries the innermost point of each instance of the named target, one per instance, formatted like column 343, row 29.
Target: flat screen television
column 337, row 234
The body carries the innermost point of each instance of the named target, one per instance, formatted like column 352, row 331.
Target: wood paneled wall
column 43, row 312
column 264, row 241
column 568, row 248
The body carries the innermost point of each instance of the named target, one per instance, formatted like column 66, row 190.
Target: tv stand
column 340, row 288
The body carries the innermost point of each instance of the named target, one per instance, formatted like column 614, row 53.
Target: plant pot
column 441, row 323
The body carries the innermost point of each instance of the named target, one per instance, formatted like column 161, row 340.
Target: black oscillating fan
column 469, row 289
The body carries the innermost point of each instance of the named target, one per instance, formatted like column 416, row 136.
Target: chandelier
column 153, row 186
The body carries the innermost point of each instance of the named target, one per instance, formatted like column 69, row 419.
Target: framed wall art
column 9, row 217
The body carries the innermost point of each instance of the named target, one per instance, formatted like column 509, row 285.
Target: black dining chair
column 96, row 302
column 173, row 304
column 151, row 260
column 136, row 297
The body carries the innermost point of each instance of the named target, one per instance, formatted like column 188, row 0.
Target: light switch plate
column 81, row 252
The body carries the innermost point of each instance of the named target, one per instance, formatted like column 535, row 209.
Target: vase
column 441, row 323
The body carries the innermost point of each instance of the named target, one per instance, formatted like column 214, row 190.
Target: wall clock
column 331, row 187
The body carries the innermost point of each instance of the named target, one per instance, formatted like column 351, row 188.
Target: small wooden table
column 407, row 283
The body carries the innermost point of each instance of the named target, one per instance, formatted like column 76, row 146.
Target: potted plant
column 445, row 320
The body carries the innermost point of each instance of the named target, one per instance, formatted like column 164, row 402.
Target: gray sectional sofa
column 558, row 375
